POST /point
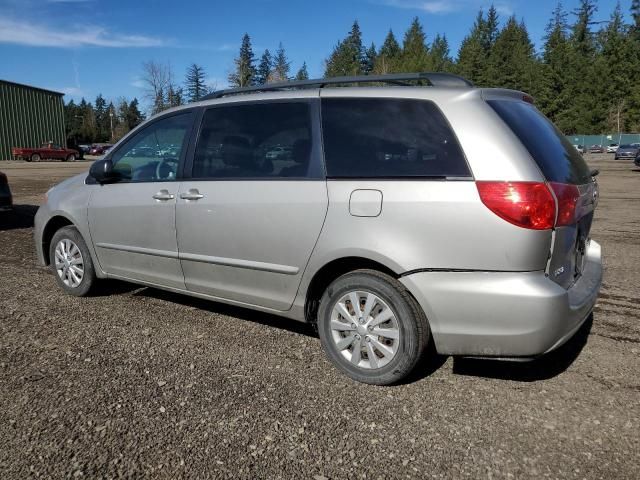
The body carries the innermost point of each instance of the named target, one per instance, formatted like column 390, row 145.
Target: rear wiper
column 594, row 172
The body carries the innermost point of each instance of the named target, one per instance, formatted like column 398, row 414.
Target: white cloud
column 138, row 83
column 448, row 6
column 72, row 91
column 26, row 33
column 434, row 6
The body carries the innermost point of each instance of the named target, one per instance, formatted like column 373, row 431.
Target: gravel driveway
column 138, row 382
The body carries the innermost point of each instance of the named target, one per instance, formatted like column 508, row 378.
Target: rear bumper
column 505, row 314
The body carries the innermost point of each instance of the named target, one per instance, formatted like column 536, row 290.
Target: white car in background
column 613, row 148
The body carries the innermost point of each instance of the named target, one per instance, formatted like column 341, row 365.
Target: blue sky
column 86, row 47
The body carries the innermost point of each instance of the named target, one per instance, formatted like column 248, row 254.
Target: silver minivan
column 399, row 216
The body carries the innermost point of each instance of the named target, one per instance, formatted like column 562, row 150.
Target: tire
column 35, row 157
column 408, row 324
column 70, row 158
column 64, row 240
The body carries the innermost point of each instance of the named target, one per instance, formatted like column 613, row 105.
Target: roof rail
column 436, row 79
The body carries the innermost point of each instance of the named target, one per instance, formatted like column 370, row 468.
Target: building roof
column 22, row 85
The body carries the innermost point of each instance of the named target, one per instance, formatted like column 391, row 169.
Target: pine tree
column 415, row 55
column 302, row 73
column 347, row 57
column 553, row 96
column 134, row 116
column 439, row 53
column 490, row 30
column 195, row 83
column 370, row 56
column 633, row 112
column 511, row 61
column 388, row 56
column 635, row 14
column 616, row 50
column 265, row 66
column 471, row 55
column 584, row 113
column 101, row 114
column 245, row 71
column 281, row 66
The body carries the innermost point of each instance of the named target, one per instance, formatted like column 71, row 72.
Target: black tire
column 412, row 322
column 35, row 157
column 89, row 278
column 70, row 158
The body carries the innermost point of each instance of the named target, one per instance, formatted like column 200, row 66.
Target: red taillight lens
column 525, row 204
column 567, row 196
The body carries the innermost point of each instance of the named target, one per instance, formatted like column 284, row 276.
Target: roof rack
column 436, row 79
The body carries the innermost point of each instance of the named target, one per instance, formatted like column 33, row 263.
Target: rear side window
column 263, row 140
column 554, row 154
column 389, row 138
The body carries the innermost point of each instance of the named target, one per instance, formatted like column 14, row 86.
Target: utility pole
column 111, row 121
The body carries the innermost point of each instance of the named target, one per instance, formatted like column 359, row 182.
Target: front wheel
column 70, row 158
column 371, row 327
column 71, row 262
column 34, row 158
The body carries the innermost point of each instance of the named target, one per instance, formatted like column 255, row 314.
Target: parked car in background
column 363, row 231
column 85, row 148
column 46, row 151
column 596, row 149
column 579, row 148
column 613, row 148
column 6, row 199
column 99, row 149
column 631, row 151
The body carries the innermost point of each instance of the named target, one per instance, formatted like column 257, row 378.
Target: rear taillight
column 525, row 204
column 567, row 197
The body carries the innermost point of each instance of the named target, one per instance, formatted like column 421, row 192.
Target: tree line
column 100, row 122
column 584, row 78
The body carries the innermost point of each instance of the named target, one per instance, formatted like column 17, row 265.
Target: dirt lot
column 137, row 382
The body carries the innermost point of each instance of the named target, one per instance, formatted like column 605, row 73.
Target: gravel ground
column 138, row 382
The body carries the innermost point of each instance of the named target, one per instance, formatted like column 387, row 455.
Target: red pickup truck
column 47, row 150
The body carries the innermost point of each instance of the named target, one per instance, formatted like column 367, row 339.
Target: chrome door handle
column 192, row 194
column 164, row 195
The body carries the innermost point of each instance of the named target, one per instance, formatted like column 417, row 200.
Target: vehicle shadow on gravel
column 21, row 216
column 231, row 311
column 543, row 368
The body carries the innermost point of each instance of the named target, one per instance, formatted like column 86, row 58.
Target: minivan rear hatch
column 568, row 177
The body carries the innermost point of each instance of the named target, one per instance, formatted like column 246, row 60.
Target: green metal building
column 29, row 116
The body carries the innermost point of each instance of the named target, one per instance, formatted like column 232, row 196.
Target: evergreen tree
column 490, row 30
column 471, row 55
column 415, row 55
column 370, row 56
column 635, row 14
column 617, row 67
column 302, row 73
column 244, row 72
column 439, row 53
column 347, row 57
column 101, row 114
column 553, row 94
column 388, row 56
column 511, row 61
column 264, row 68
column 281, row 66
column 584, row 113
column 134, row 116
column 195, row 85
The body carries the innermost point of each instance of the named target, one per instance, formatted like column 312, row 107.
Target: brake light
column 525, row 204
column 567, row 197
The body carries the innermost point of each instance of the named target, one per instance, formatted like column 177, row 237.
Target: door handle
column 192, row 194
column 164, row 195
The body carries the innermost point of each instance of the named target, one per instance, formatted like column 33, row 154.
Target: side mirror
column 102, row 171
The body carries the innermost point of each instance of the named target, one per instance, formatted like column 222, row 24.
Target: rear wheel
column 34, row 158
column 71, row 262
column 371, row 327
